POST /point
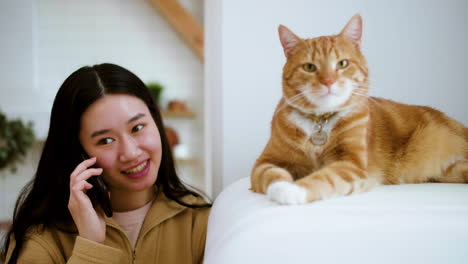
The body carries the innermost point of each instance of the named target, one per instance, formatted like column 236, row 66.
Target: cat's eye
column 309, row 67
column 343, row 64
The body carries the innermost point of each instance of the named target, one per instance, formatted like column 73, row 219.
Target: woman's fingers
column 83, row 172
column 81, row 186
column 84, row 165
column 78, row 195
column 87, row 174
column 78, row 199
column 89, row 221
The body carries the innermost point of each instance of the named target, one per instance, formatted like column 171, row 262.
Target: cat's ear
column 288, row 39
column 353, row 30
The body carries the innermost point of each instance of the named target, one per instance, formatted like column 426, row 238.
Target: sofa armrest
column 413, row 223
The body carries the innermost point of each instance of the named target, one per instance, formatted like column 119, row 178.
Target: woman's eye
column 343, row 64
column 309, row 67
column 137, row 128
column 105, row 141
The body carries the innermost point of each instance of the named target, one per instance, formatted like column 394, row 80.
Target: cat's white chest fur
column 309, row 127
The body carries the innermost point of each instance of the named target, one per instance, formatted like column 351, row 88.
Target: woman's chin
column 147, row 181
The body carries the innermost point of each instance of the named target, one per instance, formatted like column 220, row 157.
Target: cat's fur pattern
column 370, row 140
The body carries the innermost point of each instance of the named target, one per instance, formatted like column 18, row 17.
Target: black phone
column 99, row 194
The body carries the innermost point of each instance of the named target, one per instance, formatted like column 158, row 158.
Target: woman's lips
column 138, row 171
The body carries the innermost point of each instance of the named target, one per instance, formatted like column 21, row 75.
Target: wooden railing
column 183, row 22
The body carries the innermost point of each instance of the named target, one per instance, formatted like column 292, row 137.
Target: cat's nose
column 328, row 82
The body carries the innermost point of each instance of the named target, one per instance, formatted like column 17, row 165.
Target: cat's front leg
column 287, row 193
column 337, row 179
column 277, row 184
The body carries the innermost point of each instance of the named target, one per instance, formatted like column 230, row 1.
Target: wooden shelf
column 183, row 115
column 5, row 225
column 185, row 160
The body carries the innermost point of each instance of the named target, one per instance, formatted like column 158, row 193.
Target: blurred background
column 44, row 41
column 223, row 97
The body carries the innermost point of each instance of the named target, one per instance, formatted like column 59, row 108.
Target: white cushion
column 413, row 223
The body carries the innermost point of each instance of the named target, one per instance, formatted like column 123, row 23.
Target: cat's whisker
column 285, row 104
column 301, row 95
column 361, row 82
column 360, row 89
column 295, row 97
column 370, row 98
column 291, row 100
column 357, row 93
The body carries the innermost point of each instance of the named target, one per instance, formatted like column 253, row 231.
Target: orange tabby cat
column 329, row 138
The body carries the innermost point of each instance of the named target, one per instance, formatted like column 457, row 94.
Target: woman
column 105, row 124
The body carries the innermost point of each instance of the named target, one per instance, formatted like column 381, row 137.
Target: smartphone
column 99, row 194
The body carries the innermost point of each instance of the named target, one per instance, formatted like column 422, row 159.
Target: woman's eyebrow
column 99, row 132
column 136, row 117
column 104, row 131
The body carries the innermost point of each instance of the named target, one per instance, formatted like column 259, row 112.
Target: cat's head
column 325, row 73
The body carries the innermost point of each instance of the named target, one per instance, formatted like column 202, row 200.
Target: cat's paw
column 287, row 193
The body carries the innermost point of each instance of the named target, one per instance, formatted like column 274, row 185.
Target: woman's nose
column 130, row 149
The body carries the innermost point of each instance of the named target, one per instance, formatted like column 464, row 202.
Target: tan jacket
column 171, row 233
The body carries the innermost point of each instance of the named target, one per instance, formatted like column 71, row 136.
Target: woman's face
column 120, row 132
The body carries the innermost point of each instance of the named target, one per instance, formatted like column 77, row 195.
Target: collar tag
column 320, row 137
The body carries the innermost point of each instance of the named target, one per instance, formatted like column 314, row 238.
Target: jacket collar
column 162, row 209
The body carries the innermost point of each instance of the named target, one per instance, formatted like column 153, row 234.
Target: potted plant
column 16, row 138
column 156, row 90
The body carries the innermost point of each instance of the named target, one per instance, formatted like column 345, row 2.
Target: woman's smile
column 138, row 171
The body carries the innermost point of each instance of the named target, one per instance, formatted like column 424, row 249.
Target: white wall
column 43, row 41
column 416, row 50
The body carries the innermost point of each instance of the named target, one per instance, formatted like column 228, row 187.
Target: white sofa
column 417, row 223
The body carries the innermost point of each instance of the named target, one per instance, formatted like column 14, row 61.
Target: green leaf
column 16, row 139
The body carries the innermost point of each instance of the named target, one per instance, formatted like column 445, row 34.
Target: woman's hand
column 89, row 221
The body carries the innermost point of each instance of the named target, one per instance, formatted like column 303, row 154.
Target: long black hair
column 44, row 200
